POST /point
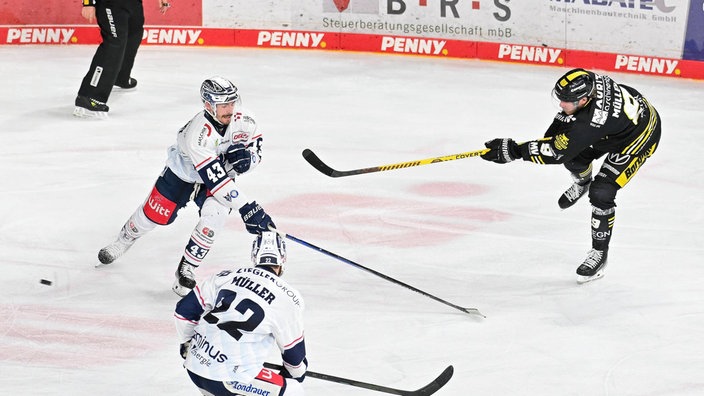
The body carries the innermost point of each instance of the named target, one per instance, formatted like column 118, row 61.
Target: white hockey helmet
column 269, row 249
column 218, row 90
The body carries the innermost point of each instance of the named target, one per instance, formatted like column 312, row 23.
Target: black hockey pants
column 616, row 171
column 121, row 27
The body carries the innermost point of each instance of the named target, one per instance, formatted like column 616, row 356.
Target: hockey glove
column 502, row 150
column 286, row 374
column 239, row 157
column 255, row 219
column 184, row 349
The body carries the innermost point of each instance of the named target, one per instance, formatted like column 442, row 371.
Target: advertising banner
column 658, row 37
column 63, row 12
column 644, row 27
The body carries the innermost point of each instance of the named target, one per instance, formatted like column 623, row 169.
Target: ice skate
column 131, row 83
column 574, row 193
column 593, row 266
column 185, row 279
column 90, row 108
column 113, row 251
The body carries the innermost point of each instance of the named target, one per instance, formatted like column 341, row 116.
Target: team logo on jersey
column 561, row 141
column 208, row 232
column 599, row 117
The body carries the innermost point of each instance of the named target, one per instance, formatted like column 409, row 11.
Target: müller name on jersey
column 260, row 290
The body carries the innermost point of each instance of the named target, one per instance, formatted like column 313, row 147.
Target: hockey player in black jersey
column 599, row 117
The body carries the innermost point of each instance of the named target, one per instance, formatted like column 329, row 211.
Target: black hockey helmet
column 574, row 85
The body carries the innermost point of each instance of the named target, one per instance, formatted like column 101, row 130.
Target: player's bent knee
column 602, row 195
column 213, row 214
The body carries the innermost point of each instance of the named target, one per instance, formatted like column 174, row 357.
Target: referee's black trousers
column 121, row 27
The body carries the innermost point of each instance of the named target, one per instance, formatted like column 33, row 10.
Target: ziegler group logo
column 442, row 8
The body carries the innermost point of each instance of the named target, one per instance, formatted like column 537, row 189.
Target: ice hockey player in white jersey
column 229, row 323
column 216, row 146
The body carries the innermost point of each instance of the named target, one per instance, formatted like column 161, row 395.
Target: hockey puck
column 45, row 282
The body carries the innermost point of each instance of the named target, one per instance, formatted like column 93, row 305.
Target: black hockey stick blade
column 317, row 163
column 434, row 386
column 323, row 168
column 427, row 390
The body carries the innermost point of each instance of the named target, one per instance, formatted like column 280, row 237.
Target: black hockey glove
column 184, row 349
column 502, row 150
column 255, row 219
column 239, row 157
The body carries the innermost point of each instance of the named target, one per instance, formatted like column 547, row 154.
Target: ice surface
column 474, row 233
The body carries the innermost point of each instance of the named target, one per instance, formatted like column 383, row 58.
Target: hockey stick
column 318, row 164
column 427, row 390
column 379, row 274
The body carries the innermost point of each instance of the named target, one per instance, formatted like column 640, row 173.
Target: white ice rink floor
column 474, row 233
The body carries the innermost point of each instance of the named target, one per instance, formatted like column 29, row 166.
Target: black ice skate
column 593, row 266
column 129, row 84
column 574, row 193
column 90, row 108
column 185, row 279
